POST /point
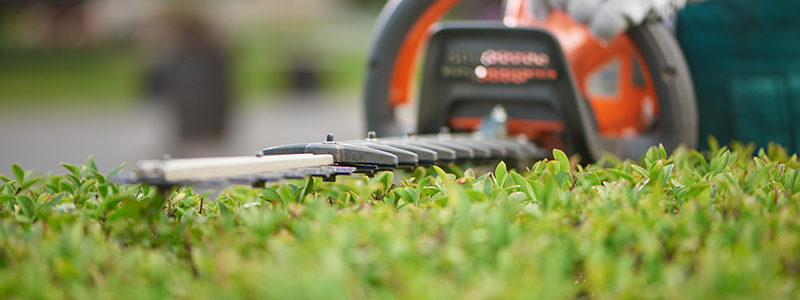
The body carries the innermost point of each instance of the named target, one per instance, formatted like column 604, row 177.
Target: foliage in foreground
column 688, row 226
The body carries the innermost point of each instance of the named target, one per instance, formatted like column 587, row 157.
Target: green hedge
column 723, row 224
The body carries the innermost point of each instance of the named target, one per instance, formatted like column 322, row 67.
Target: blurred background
column 123, row 80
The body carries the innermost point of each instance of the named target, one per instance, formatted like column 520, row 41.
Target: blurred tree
column 62, row 22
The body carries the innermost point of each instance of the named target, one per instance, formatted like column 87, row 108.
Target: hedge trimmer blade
column 330, row 158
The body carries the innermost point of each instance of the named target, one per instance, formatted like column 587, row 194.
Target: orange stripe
column 405, row 61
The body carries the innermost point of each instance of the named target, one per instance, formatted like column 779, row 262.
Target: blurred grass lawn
column 46, row 76
column 115, row 75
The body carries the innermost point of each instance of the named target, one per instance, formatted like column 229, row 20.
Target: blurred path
column 41, row 140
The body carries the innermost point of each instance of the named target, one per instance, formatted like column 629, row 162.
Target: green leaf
column 667, row 171
column 425, row 181
column 655, row 170
column 385, row 179
column 404, row 194
column 74, row 180
column 287, row 195
column 307, row 189
column 100, row 178
column 651, row 156
column 29, row 183
column 713, row 144
column 419, row 174
column 593, row 179
column 718, row 164
column 344, row 199
column 562, row 158
column 145, row 189
column 539, row 166
column 787, row 180
column 500, row 173
column 553, row 167
column 42, row 198
column 4, row 178
column 562, row 178
column 475, row 195
column 115, row 172
column 26, row 205
column 441, row 173
column 102, row 190
column 8, row 189
column 550, row 192
column 65, row 186
column 796, row 185
column 469, row 173
column 648, row 164
column 19, row 174
column 524, row 185
column 498, row 194
column 90, row 164
column 72, row 169
column 702, row 160
column 226, row 214
column 5, row 198
column 621, row 174
column 272, row 195
column 85, row 186
column 641, row 170
column 662, row 152
column 54, row 202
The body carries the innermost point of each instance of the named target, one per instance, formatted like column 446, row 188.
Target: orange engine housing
column 612, row 76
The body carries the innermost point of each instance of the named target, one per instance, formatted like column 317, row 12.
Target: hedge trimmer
column 505, row 89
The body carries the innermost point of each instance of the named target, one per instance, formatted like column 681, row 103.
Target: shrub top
column 719, row 224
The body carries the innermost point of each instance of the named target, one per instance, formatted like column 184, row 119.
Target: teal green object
column 744, row 56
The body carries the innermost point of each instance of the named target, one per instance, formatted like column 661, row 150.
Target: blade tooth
column 404, row 157
column 446, row 140
column 343, row 154
column 286, row 149
column 482, row 151
column 516, row 150
column 512, row 150
column 444, row 155
column 526, row 152
column 497, row 151
column 479, row 151
column 425, row 156
column 355, row 155
column 534, row 151
column 463, row 153
column 525, row 149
